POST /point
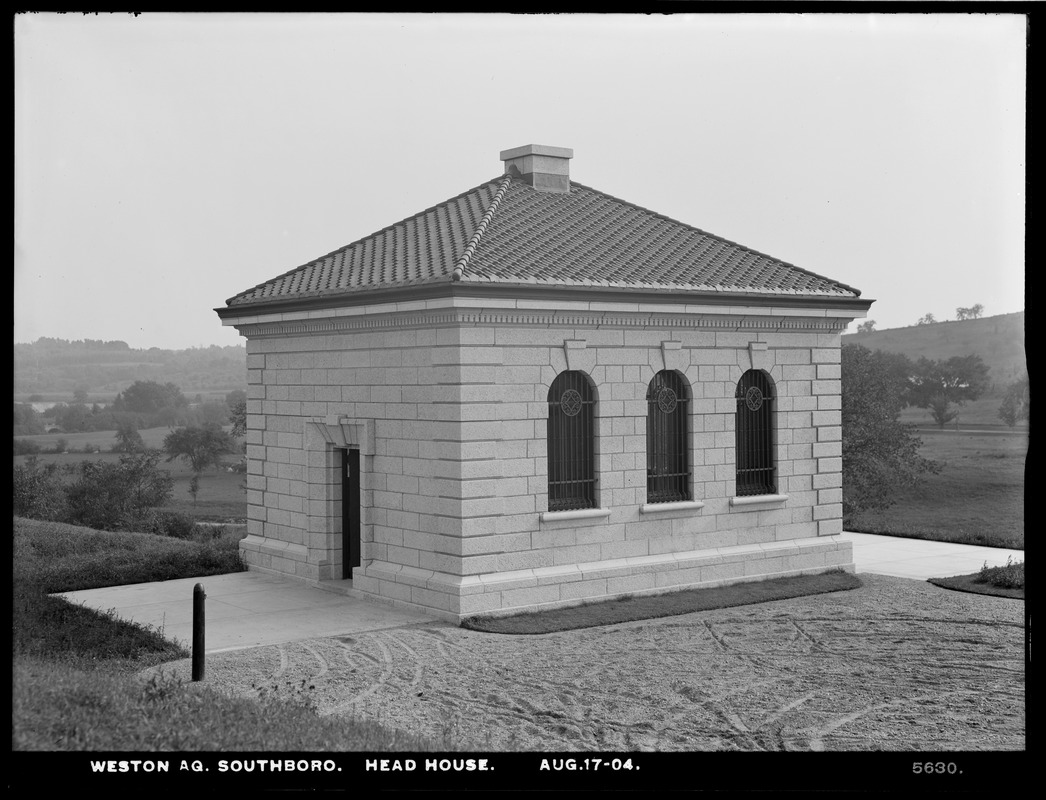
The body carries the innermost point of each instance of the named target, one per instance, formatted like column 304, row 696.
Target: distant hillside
column 999, row 341
column 55, row 368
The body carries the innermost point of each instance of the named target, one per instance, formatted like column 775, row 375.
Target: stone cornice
column 766, row 321
column 498, row 294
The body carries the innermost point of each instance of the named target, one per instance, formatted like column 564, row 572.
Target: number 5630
column 936, row 768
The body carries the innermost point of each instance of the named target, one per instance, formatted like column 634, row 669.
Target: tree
column 939, row 384
column 969, row 313
column 38, row 490
column 199, row 447
column 211, row 413
column 866, row 327
column 27, row 421
column 941, row 411
column 106, row 495
column 128, row 440
column 80, row 395
column 194, row 489
column 880, row 454
column 1016, row 404
column 74, row 418
column 238, row 416
column 148, row 397
column 927, row 320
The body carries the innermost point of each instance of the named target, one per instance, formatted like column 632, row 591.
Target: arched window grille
column 571, row 443
column 755, row 434
column 667, row 439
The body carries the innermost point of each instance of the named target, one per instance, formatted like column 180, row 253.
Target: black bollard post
column 198, row 627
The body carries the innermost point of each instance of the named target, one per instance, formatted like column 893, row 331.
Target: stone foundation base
column 454, row 597
column 282, row 558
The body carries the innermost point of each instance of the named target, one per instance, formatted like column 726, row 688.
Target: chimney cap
column 537, row 150
column 546, row 169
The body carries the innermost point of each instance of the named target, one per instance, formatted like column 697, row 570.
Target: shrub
column 1010, row 576
column 162, row 523
column 1016, row 404
column 26, row 447
column 38, row 491
column 104, row 494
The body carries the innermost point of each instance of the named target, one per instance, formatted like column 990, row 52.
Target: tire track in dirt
column 419, row 668
column 321, row 662
column 374, row 687
column 864, row 674
column 284, row 662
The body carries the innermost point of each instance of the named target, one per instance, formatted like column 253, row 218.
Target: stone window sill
column 581, row 513
column 758, row 500
column 682, row 505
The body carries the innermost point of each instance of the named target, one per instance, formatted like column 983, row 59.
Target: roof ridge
column 470, row 248
column 717, row 237
column 345, row 248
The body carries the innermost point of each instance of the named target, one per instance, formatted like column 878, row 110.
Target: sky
column 166, row 162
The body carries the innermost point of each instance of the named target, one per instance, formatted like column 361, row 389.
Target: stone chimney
column 545, row 168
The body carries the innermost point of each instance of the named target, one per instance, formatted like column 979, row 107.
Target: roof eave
column 530, row 291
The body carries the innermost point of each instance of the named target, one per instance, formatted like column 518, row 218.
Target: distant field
column 221, row 495
column 977, row 498
column 153, row 438
column 984, row 411
column 210, row 394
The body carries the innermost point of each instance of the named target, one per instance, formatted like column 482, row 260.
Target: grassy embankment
column 75, row 684
column 977, row 498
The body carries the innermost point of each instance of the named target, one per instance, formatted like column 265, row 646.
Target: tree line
column 961, row 313
column 59, row 366
column 144, row 404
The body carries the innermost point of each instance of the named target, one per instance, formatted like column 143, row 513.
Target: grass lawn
column 153, row 438
column 983, row 411
column 628, row 608
column 75, row 685
column 977, row 498
column 1006, row 581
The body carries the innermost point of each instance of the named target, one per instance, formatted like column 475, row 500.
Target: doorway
column 350, row 511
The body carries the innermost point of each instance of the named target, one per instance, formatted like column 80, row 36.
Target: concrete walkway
column 921, row 559
column 248, row 609
column 245, row 609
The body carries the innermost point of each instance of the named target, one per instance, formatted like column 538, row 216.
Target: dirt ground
column 896, row 665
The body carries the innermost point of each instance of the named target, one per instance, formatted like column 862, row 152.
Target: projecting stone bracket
column 348, row 433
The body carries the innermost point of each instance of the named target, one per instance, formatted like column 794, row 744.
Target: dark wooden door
column 350, row 510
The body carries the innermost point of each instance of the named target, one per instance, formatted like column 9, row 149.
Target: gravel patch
column 897, row 665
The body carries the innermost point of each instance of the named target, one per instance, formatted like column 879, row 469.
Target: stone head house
column 534, row 395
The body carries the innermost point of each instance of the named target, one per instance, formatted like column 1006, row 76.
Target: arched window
column 756, row 473
column 571, row 442
column 667, row 439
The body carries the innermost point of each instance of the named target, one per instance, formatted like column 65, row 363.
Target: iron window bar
column 571, row 443
column 754, row 435
column 667, row 435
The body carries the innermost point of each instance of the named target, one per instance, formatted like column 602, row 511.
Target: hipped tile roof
column 505, row 232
